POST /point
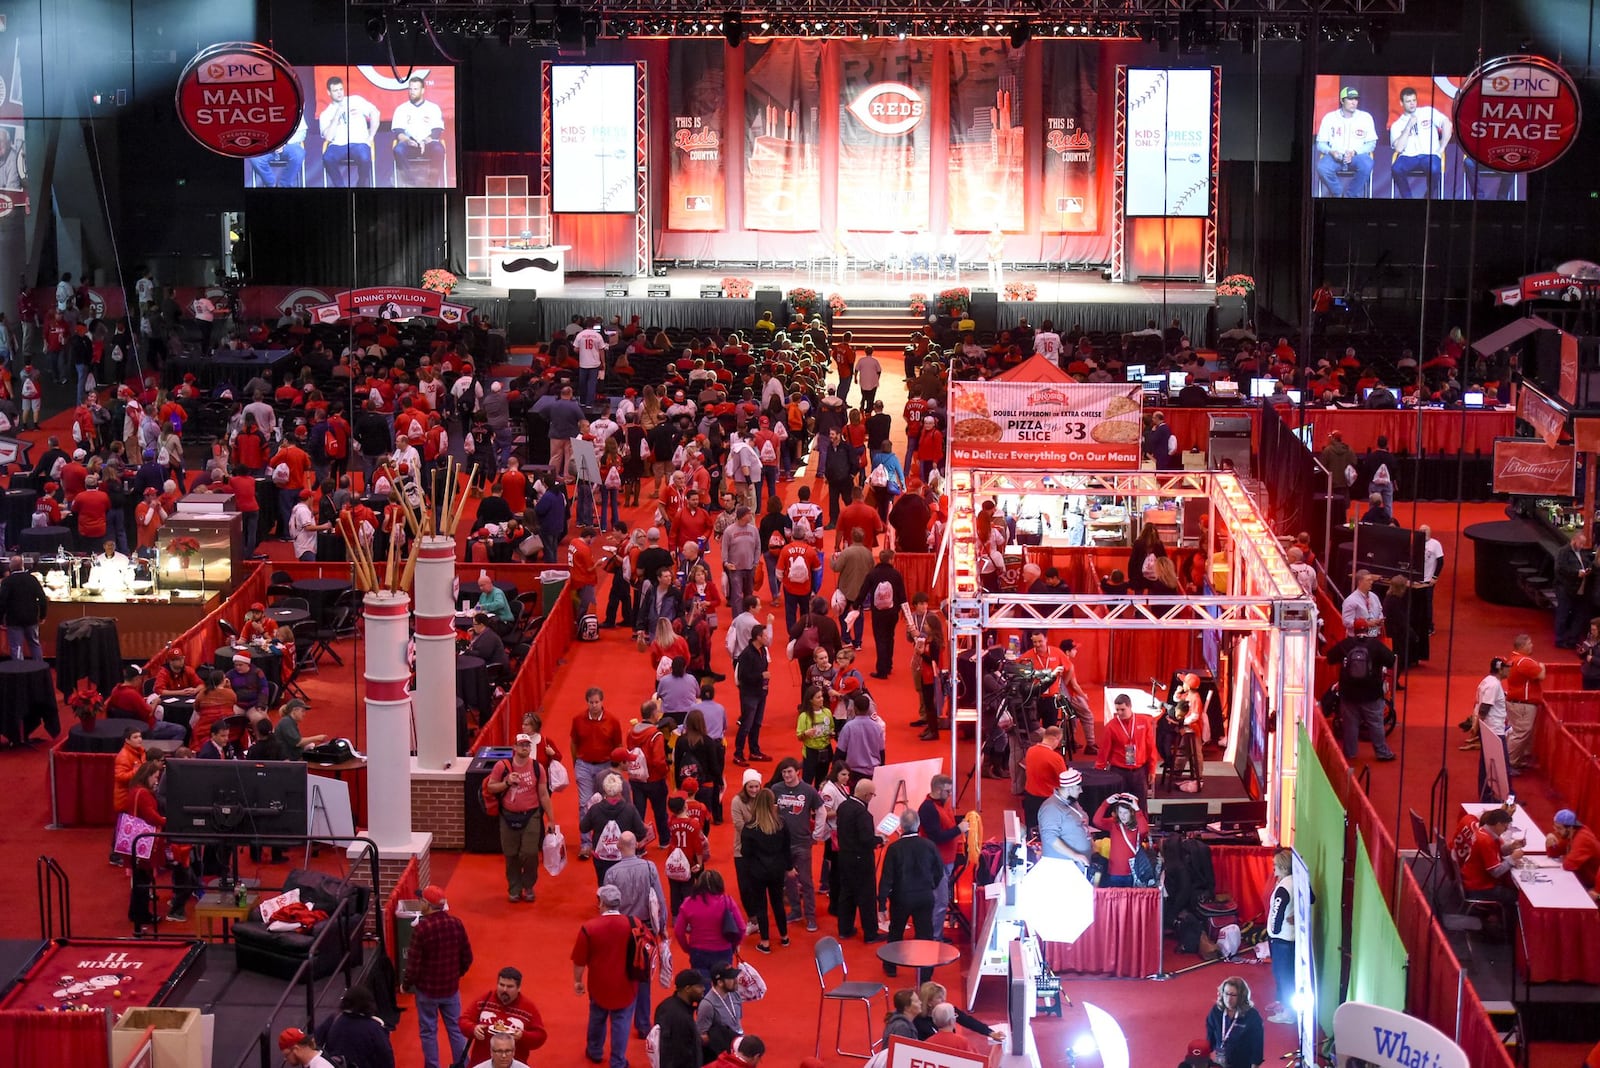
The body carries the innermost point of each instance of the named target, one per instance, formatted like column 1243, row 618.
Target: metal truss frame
column 1209, row 261
column 545, row 106
column 1045, row 11
column 642, row 251
column 1119, row 175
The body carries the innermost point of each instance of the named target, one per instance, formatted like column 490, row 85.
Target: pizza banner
column 1070, row 204
column 1045, row 425
column 782, row 139
column 988, row 149
column 696, row 96
column 1529, row 467
column 389, row 302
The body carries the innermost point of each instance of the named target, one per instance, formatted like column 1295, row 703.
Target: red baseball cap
column 433, row 895
column 290, row 1037
column 619, row 755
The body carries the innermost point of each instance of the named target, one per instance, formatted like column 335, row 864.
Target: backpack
column 641, row 950
column 652, row 1046
column 990, row 859
column 678, row 867
column 1143, row 866
column 1202, row 876
column 638, row 766
column 799, row 572
column 490, row 802
column 883, row 595
column 1357, row 666
column 280, row 475
column 769, row 455
column 613, row 478
column 608, row 843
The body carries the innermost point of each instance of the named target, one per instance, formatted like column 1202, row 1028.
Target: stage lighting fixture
column 733, row 28
column 377, row 27
column 569, row 31
column 1377, row 36
column 1020, row 33
column 503, row 28
column 765, row 25
column 864, row 31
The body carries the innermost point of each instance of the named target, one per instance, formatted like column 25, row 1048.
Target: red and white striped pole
column 387, row 616
column 435, row 696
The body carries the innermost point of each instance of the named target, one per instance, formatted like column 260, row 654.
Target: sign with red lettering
column 1518, row 113
column 1545, row 416
column 389, row 302
column 909, row 1053
column 1529, row 466
column 239, row 99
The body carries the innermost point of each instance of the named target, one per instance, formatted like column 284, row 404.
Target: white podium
column 541, row 269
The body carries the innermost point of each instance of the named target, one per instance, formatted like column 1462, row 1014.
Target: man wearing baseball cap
column 1063, row 825
column 1577, row 847
column 440, row 955
column 300, row 1049
column 1345, row 141
column 1362, row 658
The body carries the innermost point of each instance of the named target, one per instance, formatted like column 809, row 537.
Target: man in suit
column 858, row 842
column 912, row 872
column 1573, row 564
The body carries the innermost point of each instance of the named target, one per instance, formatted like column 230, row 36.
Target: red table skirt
column 1442, row 432
column 83, row 787
column 1562, row 945
column 1124, row 941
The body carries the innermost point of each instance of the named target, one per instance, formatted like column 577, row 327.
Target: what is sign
column 1518, row 113
column 240, row 99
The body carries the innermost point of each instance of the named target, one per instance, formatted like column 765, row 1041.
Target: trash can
column 178, row 1042
column 405, row 914
column 551, row 583
column 481, row 831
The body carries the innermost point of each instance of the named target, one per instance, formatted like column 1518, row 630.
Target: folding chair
column 323, row 635
column 829, row 958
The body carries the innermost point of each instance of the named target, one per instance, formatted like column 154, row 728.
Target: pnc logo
column 889, row 109
column 233, row 69
column 1523, row 82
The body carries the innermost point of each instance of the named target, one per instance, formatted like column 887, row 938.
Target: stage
column 1066, row 297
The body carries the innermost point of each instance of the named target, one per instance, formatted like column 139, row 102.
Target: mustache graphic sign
column 1528, row 466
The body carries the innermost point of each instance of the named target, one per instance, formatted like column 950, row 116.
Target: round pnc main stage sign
column 239, row 99
column 1518, row 114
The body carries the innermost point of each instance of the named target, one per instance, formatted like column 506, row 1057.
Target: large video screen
column 592, row 162
column 367, row 127
column 1392, row 138
column 1169, row 143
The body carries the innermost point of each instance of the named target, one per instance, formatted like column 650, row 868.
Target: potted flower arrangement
column 439, row 280
column 1236, row 285
column 836, row 304
column 737, row 288
column 919, row 304
column 1021, row 291
column 955, row 301
column 1235, row 294
column 85, row 702
column 183, row 548
column 803, row 300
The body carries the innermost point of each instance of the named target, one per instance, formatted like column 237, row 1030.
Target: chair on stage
column 948, row 259
column 829, row 957
column 820, row 264
column 845, row 264
column 919, row 265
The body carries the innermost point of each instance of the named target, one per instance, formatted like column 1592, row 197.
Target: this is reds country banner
column 885, row 140
column 696, row 191
column 1071, row 128
column 987, row 143
column 783, row 87
column 1043, row 425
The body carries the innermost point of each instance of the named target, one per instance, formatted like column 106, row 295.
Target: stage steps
column 878, row 324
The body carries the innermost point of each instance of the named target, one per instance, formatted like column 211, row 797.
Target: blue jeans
column 288, row 497
column 641, row 1008
column 599, row 1021
column 283, row 169
column 83, row 373
column 793, row 608
column 941, row 900
column 752, row 708
column 1426, row 166
column 706, row 961
column 588, row 776
column 1352, row 182
column 346, row 166
column 17, row 636
column 844, row 387
column 588, row 381
column 1352, row 714
column 610, row 504
column 429, row 1012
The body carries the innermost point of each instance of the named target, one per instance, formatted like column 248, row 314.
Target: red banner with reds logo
column 697, row 95
column 1532, row 468
column 1071, row 120
column 1045, row 425
column 1541, row 413
column 885, row 134
column 389, row 302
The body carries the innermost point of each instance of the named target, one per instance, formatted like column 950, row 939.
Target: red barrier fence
column 533, row 678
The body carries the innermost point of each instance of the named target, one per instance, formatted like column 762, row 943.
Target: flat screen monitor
column 1168, row 164
column 1472, row 398
column 1136, row 372
column 1263, row 387
column 1176, row 380
column 367, row 127
column 246, row 798
column 1155, row 383
column 1293, row 395
column 593, row 154
column 1225, row 389
column 1366, row 391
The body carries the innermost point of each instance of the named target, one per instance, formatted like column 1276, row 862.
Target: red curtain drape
column 527, row 690
column 1567, row 762
column 1124, row 941
column 1570, row 705
column 28, row 1037
column 1564, row 676
column 1562, row 945
column 1245, row 874
column 83, row 786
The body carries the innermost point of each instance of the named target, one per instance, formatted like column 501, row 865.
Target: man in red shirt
column 796, row 589
column 1130, row 750
column 1575, row 844
column 1485, row 868
column 505, row 1008
column 1523, row 694
column 580, row 563
column 1042, row 658
column 857, row 515
column 930, row 448
column 1043, row 765
column 601, row 949
column 297, row 463
column 514, row 486
column 244, row 499
column 594, row 735
column 336, row 445
column 91, row 507
column 439, row 957
column 692, row 521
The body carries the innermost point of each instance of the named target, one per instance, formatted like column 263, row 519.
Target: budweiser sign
column 1530, row 467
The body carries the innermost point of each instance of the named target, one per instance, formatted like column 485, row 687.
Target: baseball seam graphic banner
column 1046, row 424
column 696, row 95
column 1530, row 467
column 1071, row 123
column 988, row 146
column 592, row 165
column 1168, row 162
column 783, row 90
column 885, row 134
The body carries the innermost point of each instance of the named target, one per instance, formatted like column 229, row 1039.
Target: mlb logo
column 1069, row 205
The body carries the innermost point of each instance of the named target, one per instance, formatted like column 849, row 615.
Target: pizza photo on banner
column 1041, row 425
column 1071, row 107
column 696, row 189
column 1528, row 466
column 987, row 144
column 782, row 136
column 885, row 135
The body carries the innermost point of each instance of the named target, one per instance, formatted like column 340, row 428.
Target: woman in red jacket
column 141, row 904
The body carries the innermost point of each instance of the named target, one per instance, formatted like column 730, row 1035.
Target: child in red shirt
column 683, row 832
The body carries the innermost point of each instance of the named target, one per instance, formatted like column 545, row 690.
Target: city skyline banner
column 782, row 135
column 885, row 135
column 696, row 184
column 987, row 158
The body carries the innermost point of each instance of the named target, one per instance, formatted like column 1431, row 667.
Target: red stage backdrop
column 885, row 134
column 1071, row 203
column 696, row 191
column 988, row 148
column 783, row 84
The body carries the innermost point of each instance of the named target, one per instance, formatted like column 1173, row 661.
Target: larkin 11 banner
column 1529, row 466
column 987, row 145
column 885, row 139
column 1071, row 108
column 1040, row 425
column 783, row 84
column 696, row 191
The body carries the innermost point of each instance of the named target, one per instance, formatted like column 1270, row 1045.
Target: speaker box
column 770, row 300
column 522, row 327
column 986, row 311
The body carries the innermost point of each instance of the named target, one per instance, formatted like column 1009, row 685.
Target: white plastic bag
column 678, row 866
column 750, row 985
column 559, row 779
column 664, row 970
column 554, row 852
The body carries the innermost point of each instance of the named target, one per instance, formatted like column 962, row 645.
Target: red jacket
column 1114, row 738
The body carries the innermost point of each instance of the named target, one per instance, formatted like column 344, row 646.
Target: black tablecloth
column 320, row 593
column 176, row 710
column 269, row 660
column 88, row 648
column 104, row 737
column 330, row 546
column 19, row 512
column 41, row 540
column 27, row 699
column 288, row 617
column 1097, row 786
column 1498, row 549
column 472, row 683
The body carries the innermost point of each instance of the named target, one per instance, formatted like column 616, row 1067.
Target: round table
column 918, row 953
column 19, row 512
column 472, row 683
column 88, row 647
column 269, row 660
column 104, row 737
column 320, row 593
column 176, row 710
column 38, row 541
column 1498, row 548
column 27, row 699
column 287, row 617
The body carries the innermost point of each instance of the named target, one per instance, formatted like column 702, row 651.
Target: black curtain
column 326, row 237
column 1290, row 472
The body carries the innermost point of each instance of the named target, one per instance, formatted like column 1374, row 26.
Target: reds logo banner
column 889, row 109
column 1530, row 467
column 239, row 99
